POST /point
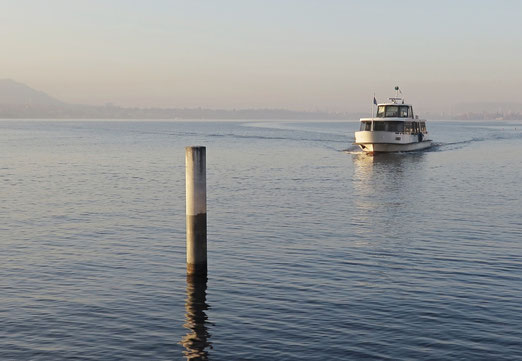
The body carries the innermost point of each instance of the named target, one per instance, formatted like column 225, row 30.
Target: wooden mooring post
column 196, row 191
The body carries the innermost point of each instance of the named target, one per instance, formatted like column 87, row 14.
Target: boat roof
column 394, row 119
column 395, row 101
column 409, row 105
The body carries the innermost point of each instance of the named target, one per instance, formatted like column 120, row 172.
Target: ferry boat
column 394, row 128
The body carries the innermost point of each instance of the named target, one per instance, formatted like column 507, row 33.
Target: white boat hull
column 377, row 141
column 387, row 148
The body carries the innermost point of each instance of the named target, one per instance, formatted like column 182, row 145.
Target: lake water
column 316, row 251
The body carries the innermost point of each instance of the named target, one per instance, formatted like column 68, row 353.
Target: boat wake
column 291, row 137
column 354, row 149
column 463, row 143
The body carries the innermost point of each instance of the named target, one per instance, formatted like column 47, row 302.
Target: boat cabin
column 393, row 117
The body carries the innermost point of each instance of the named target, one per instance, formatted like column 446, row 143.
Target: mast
column 373, row 102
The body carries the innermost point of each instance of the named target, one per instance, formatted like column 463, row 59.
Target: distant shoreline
column 19, row 101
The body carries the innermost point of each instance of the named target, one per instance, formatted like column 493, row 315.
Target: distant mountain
column 14, row 93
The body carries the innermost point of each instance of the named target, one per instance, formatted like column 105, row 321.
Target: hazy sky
column 303, row 55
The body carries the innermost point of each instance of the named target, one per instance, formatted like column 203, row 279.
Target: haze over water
column 316, row 251
column 302, row 55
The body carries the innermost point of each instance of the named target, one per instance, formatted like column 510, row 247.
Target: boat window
column 395, row 126
column 404, row 111
column 379, row 126
column 423, row 127
column 407, row 127
column 392, row 111
column 366, row 126
column 390, row 126
column 380, row 111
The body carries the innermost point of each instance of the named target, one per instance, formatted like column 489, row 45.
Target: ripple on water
column 315, row 253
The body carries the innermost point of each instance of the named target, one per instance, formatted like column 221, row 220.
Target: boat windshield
column 393, row 111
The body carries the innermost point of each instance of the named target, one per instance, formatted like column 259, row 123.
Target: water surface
column 316, row 251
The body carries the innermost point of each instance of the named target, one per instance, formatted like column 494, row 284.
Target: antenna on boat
column 397, row 91
column 374, row 102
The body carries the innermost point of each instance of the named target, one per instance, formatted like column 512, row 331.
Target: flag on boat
column 374, row 100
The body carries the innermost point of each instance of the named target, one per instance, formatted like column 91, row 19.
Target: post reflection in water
column 196, row 341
